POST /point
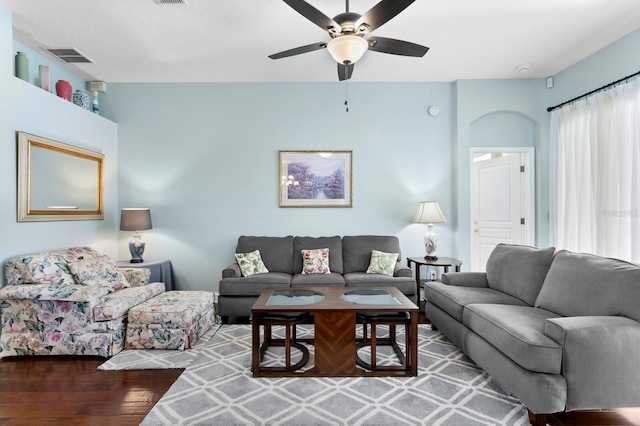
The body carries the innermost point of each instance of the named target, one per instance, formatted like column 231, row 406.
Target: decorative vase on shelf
column 63, row 89
column 22, row 66
column 45, row 77
column 81, row 98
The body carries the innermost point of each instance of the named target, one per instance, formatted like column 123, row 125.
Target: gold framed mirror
column 58, row 181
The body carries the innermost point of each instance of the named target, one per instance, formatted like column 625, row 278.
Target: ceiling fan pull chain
column 346, row 91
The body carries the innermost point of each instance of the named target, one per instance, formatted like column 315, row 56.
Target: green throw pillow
column 382, row 263
column 251, row 263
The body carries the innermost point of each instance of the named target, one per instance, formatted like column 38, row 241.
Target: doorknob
column 475, row 229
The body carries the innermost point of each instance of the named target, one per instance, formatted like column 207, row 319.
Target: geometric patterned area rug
column 157, row 359
column 217, row 389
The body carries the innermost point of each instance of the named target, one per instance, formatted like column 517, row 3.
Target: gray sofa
column 559, row 330
column 349, row 258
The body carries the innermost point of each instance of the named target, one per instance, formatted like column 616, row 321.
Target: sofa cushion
column 334, row 244
column 315, row 261
column 276, row 252
column 136, row 276
column 588, row 285
column 452, row 299
column 251, row 263
column 382, row 263
column 315, row 280
column 519, row 270
column 50, row 292
column 253, row 285
column 517, row 332
column 356, row 250
column 118, row 303
column 45, row 267
column 98, row 271
column 406, row 285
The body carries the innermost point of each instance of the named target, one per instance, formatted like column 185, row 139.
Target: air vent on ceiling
column 171, row 2
column 69, row 55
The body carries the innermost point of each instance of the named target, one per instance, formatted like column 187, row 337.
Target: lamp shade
column 135, row 219
column 429, row 212
column 347, row 48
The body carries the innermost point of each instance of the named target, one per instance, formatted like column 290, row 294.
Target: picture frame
column 316, row 178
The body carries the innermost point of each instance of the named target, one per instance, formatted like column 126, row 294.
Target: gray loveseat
column 559, row 330
column 349, row 258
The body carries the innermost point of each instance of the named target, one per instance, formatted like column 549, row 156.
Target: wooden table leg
column 255, row 344
column 413, row 344
column 335, row 343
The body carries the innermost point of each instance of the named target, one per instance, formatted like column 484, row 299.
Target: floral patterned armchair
column 68, row 302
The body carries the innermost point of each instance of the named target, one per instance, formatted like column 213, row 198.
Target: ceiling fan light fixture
column 347, row 48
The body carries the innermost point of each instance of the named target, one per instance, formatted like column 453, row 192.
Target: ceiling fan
column 349, row 34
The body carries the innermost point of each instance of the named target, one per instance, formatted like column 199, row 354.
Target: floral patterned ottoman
column 171, row 320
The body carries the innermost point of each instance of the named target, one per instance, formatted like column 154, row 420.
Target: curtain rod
column 606, row 86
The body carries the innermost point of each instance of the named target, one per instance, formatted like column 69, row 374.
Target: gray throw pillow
column 519, row 270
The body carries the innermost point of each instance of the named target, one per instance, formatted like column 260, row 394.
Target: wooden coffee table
column 335, row 331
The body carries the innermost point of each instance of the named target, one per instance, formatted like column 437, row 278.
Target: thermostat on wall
column 434, row 110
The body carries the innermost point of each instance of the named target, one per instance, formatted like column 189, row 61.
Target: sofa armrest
column 232, row 271
column 465, row 279
column 401, row 270
column 600, row 360
column 136, row 276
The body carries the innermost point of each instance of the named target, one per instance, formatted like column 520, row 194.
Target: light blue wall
column 204, row 158
column 508, row 103
column 618, row 60
column 28, row 108
column 527, row 98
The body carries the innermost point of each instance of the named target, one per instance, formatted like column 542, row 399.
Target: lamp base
column 431, row 257
column 136, row 248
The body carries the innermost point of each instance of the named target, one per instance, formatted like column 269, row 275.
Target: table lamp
column 138, row 219
column 429, row 212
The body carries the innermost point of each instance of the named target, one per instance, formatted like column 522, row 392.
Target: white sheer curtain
column 595, row 174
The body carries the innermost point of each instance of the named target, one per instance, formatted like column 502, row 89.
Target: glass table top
column 369, row 297
column 294, row 298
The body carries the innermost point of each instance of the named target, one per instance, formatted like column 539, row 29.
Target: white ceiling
column 229, row 40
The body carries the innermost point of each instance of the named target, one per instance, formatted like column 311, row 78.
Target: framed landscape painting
column 315, row 178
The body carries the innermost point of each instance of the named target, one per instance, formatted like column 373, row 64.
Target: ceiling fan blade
column 314, row 15
column 380, row 14
column 345, row 71
column 299, row 50
column 396, row 47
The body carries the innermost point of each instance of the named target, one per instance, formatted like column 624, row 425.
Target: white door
column 497, row 206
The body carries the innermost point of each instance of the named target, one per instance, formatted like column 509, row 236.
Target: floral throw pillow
column 382, row 263
column 251, row 263
column 315, row 261
column 99, row 271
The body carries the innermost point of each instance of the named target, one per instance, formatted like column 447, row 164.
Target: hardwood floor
column 69, row 390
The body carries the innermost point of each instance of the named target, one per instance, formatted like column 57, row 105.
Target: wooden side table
column 161, row 271
column 445, row 262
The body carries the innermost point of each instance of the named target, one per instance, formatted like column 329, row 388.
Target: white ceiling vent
column 171, row 2
column 69, row 55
